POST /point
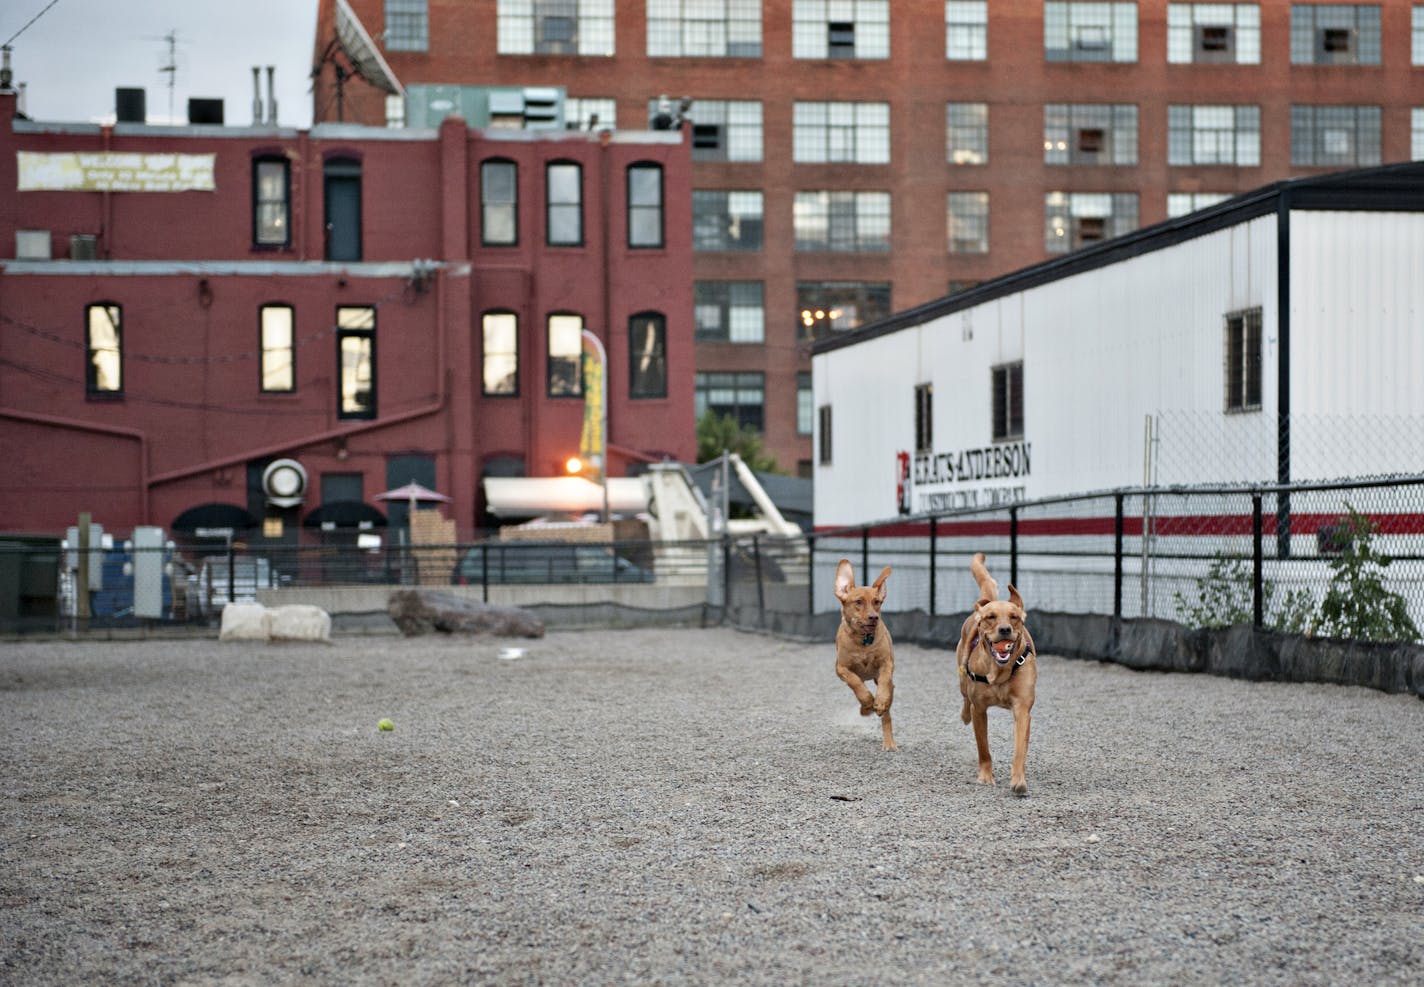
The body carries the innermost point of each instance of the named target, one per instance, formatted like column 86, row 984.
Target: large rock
column 422, row 611
column 292, row 622
column 243, row 622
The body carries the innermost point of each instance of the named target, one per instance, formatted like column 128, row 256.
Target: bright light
column 574, row 465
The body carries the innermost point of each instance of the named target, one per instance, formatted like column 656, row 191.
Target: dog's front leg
column 857, row 685
column 979, row 716
column 1017, row 782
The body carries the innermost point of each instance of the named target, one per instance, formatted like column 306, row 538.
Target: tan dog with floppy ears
column 864, row 651
column 997, row 668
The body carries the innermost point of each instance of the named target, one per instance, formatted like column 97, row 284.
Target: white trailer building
column 1274, row 337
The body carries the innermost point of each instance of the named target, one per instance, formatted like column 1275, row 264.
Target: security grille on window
column 555, row 27
column 741, row 396
column 1090, row 32
column 499, row 203
column 1335, row 135
column 805, row 404
column 1007, row 385
column 1335, row 34
column 647, row 355
column 1090, row 134
column 564, row 184
column 356, row 359
column 564, row 369
column 823, row 435
column 500, row 362
column 726, row 221
column 1182, row 203
column 1243, row 360
column 842, row 222
column 824, row 307
column 407, row 25
column 1214, row 33
column 968, row 220
column 704, row 29
column 1202, row 135
column 966, row 130
column 276, row 329
column 924, row 418
column 966, row 30
column 104, row 349
column 1077, row 219
column 840, row 29
column 722, row 129
column 271, row 225
column 729, row 311
column 856, row 133
column 645, row 205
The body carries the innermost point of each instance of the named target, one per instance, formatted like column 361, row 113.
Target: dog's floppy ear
column 879, row 584
column 1014, row 597
column 845, row 579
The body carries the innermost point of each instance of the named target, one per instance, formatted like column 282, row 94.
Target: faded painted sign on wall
column 115, row 172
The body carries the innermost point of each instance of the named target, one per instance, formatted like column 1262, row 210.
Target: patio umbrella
column 413, row 493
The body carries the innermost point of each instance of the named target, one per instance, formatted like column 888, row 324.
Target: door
column 343, row 209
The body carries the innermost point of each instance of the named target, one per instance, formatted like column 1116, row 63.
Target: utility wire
column 31, row 21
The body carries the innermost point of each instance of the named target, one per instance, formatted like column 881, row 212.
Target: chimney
column 271, row 96
column 256, row 96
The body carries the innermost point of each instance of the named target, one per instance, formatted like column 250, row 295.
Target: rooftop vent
column 130, row 105
column 205, row 111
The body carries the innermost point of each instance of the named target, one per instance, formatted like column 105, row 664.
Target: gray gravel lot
column 687, row 806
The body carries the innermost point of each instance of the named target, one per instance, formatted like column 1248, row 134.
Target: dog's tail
column 988, row 588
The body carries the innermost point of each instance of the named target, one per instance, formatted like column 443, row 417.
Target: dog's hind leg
column 980, row 717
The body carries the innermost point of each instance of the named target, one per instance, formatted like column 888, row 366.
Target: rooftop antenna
column 170, row 66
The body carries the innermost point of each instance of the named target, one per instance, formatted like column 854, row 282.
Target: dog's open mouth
column 1002, row 650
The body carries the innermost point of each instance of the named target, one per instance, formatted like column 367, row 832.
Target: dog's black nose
column 1005, row 631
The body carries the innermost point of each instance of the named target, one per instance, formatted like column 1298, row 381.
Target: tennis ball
column 385, row 726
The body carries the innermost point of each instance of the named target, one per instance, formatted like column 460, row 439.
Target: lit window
column 356, row 357
column 840, row 29
column 1078, row 219
column 704, row 28
column 966, row 130
column 499, row 203
column 1199, row 135
column 645, row 205
column 857, row 133
column 1090, row 134
column 278, row 347
column 647, row 355
column 564, row 182
column 824, row 307
column 271, row 212
column 104, row 345
column 500, row 346
column 968, row 219
column 565, row 363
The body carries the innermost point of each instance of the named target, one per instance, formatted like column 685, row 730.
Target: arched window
column 647, row 355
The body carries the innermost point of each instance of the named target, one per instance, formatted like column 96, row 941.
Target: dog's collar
column 984, row 678
column 868, row 640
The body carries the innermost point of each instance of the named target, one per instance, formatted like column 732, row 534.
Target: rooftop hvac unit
column 205, row 111
column 543, row 107
column 130, row 105
column 32, row 245
column 83, row 246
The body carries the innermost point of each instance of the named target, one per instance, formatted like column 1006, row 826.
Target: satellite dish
column 364, row 55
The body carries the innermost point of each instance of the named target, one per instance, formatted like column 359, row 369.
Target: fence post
column 1258, row 601
column 934, row 533
column 484, row 571
column 1117, row 556
column 761, row 591
column 726, row 576
column 1014, row 544
column 811, row 575
column 865, row 553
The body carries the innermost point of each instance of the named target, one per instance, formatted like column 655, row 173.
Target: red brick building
column 857, row 159
column 181, row 307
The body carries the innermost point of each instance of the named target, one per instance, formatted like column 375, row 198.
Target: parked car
column 538, row 562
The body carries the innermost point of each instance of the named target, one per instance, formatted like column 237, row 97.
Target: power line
column 31, row 21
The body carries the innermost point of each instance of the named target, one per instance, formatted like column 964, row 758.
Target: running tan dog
column 864, row 651
column 997, row 668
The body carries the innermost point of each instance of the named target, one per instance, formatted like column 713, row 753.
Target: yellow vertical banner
column 591, row 440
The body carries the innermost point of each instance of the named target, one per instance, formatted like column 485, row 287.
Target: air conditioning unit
column 32, row 245
column 83, row 246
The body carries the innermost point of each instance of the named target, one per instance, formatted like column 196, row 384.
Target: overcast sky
column 80, row 51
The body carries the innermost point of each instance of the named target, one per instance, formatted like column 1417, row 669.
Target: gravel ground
column 687, row 806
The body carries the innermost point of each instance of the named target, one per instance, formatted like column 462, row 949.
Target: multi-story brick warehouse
column 854, row 158
column 181, row 307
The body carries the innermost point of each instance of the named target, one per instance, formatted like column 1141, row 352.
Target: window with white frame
column 968, row 220
column 1335, row 135
column 1416, row 45
column 1006, row 385
column 722, row 129
column 740, row 396
column 1090, row 134
column 1243, row 360
column 840, row 29
column 704, row 28
column 966, row 30
column 1182, row 203
column 499, row 203
column 729, row 311
column 824, row 307
column 725, row 220
column 966, row 133
column 590, row 113
column 805, row 404
column 271, row 202
column 563, row 189
column 1079, row 219
column 842, row 222
column 1090, row 32
column 1214, row 135
column 1214, row 33
column 1416, row 134
column 1335, row 34
column 356, row 359
column 276, row 329
column 407, row 25
column 554, row 27
column 645, row 205
column 853, row 133
column 500, row 354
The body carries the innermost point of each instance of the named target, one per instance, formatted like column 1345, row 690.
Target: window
column 1243, row 360
column 271, row 209
column 564, row 184
column 1090, row 32
column 726, row 221
column 1090, row 134
column 565, row 361
column 966, row 131
column 356, row 358
column 500, row 348
column 499, row 203
column 407, row 25
column 823, row 435
column 342, row 185
column 805, row 404
column 966, row 30
column 1181, row 203
column 704, row 28
column 857, row 133
column 1210, row 135
column 554, row 27
column 1417, row 34
column 1007, row 385
column 968, row 218
column 1335, row 34
column 840, row 29
column 729, row 311
column 104, row 349
column 647, row 355
column 738, row 395
column 1416, row 134
column 722, row 129
column 590, row 113
column 842, row 222
column 1214, row 33
column 1335, row 135
column 275, row 325
column 645, row 205
column 825, row 307
column 924, row 418
column 1078, row 219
